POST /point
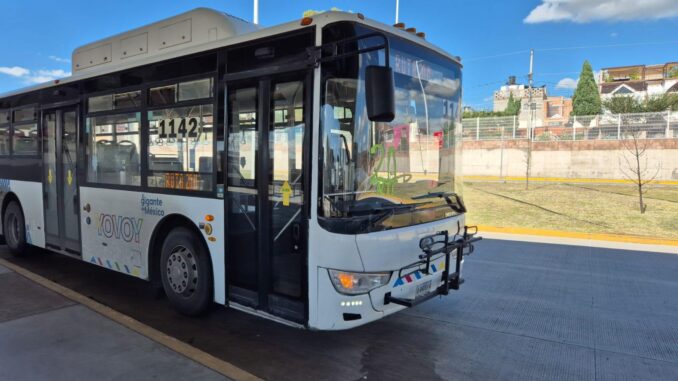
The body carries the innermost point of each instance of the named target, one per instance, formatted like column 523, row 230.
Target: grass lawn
column 587, row 208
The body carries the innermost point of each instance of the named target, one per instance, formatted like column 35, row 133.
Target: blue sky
column 492, row 36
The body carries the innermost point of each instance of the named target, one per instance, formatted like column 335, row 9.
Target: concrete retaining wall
column 594, row 159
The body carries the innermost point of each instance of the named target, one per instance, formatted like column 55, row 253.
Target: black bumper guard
column 439, row 245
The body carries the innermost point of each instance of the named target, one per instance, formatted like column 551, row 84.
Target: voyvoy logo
column 152, row 206
column 123, row 228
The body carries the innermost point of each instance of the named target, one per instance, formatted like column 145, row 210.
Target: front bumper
column 426, row 266
column 434, row 268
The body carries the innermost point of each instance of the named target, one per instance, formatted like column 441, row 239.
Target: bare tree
column 635, row 164
column 528, row 158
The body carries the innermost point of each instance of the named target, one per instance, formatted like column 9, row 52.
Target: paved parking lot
column 527, row 311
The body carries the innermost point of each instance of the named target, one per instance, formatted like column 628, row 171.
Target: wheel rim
column 182, row 271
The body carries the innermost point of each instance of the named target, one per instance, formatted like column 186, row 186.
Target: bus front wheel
column 14, row 229
column 186, row 272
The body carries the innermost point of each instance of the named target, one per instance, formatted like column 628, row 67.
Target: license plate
column 423, row 288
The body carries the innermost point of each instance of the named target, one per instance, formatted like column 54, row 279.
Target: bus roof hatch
column 195, row 27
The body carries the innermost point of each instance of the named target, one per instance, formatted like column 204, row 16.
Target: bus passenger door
column 60, row 184
column 266, row 194
column 286, row 185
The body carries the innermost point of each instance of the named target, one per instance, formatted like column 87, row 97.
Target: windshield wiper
column 379, row 210
column 380, row 214
column 457, row 205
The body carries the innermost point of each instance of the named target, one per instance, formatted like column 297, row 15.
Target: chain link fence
column 655, row 125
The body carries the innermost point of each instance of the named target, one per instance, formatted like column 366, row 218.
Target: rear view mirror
column 380, row 93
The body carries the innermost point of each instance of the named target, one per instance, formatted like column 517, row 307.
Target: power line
column 488, row 84
column 562, row 48
column 497, row 55
column 607, row 46
column 557, row 73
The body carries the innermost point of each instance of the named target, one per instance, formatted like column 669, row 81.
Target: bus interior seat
column 113, row 157
column 26, row 145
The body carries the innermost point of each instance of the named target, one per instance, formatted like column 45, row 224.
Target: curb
column 471, row 178
column 586, row 236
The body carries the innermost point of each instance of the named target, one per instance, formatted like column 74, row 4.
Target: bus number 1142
column 170, row 129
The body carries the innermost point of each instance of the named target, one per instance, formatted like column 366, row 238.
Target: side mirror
column 380, row 93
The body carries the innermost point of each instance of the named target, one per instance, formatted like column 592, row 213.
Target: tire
column 186, row 272
column 14, row 229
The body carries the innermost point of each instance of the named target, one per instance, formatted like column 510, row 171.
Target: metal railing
column 654, row 125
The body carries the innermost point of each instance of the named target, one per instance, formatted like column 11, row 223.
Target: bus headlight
column 357, row 283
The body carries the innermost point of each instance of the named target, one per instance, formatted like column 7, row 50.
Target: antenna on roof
column 397, row 10
column 255, row 18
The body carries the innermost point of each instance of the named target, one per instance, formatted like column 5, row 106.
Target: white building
column 522, row 93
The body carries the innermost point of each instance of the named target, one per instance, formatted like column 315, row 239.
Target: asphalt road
column 527, row 311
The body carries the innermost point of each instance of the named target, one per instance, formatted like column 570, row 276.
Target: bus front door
column 60, row 184
column 266, row 194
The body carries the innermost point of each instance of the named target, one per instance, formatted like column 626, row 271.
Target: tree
column 513, row 106
column 673, row 72
column 586, row 99
column 661, row 102
column 481, row 114
column 635, row 165
column 623, row 104
column 626, row 104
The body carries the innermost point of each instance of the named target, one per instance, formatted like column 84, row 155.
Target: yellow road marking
column 225, row 368
column 590, row 236
column 563, row 180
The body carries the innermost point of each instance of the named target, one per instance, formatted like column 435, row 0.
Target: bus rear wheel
column 186, row 272
column 14, row 229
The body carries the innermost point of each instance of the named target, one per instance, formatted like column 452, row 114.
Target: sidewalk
column 45, row 336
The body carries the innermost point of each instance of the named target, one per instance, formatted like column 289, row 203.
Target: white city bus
column 306, row 173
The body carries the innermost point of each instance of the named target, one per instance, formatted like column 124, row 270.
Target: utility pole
column 255, row 18
column 530, row 127
column 397, row 10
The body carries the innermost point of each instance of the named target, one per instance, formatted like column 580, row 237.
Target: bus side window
column 4, row 140
column 25, row 140
column 114, row 149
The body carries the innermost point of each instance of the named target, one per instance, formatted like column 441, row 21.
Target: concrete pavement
column 44, row 336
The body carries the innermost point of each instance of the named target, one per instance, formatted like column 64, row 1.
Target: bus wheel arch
column 167, row 226
column 11, row 203
column 9, row 197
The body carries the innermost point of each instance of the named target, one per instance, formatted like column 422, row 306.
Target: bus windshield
column 378, row 176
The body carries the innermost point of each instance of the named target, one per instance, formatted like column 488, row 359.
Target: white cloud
column 14, row 71
column 567, row 83
column 58, row 73
column 59, row 59
column 39, row 79
column 583, row 11
column 34, row 76
column 41, row 76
